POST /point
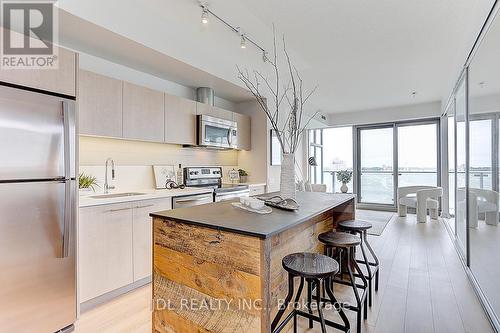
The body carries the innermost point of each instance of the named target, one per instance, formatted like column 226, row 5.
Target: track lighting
column 244, row 38
column 204, row 15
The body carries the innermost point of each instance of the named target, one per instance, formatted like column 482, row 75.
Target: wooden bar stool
column 342, row 245
column 372, row 268
column 318, row 270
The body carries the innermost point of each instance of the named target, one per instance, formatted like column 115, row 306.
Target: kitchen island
column 217, row 268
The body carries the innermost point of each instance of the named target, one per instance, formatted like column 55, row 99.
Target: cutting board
column 163, row 173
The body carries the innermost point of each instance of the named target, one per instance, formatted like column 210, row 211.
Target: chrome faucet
column 106, row 185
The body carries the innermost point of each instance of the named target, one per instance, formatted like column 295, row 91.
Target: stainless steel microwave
column 216, row 132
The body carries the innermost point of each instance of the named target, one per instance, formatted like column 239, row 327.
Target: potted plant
column 87, row 183
column 344, row 176
column 243, row 175
column 282, row 95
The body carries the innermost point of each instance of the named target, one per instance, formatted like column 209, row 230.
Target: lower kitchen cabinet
column 105, row 249
column 115, row 245
column 143, row 235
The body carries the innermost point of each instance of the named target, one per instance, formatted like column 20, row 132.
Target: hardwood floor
column 423, row 288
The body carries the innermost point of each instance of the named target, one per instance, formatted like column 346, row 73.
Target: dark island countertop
column 223, row 216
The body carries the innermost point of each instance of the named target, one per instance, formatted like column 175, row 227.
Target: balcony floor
column 423, row 288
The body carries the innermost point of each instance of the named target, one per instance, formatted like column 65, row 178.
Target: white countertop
column 87, row 200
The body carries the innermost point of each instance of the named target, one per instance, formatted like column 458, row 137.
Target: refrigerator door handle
column 69, row 174
column 67, row 218
column 69, row 139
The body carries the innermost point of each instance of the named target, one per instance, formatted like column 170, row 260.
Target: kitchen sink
column 116, row 195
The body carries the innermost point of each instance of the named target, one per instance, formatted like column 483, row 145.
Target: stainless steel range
column 211, row 177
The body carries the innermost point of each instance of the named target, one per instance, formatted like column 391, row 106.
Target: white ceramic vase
column 287, row 180
column 344, row 188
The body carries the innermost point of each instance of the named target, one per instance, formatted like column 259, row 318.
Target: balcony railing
column 478, row 179
column 406, row 178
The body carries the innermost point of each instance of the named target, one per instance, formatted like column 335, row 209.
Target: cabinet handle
column 144, row 206
column 119, row 209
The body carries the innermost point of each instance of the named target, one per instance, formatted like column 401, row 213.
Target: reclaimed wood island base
column 218, row 269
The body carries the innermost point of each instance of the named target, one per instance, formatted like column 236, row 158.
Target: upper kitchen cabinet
column 61, row 80
column 143, row 113
column 180, row 120
column 244, row 134
column 209, row 110
column 100, row 105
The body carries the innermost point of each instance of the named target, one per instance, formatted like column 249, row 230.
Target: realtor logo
column 28, row 34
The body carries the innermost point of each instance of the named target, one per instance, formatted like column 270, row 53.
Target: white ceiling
column 484, row 70
column 363, row 54
column 372, row 54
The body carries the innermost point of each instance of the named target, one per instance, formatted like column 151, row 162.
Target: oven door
column 192, row 200
column 231, row 195
column 217, row 133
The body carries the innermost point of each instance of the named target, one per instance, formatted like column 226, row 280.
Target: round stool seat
column 310, row 265
column 339, row 239
column 355, row 225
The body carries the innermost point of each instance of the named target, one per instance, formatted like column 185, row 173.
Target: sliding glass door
column 376, row 167
column 461, row 162
column 411, row 148
column 417, row 154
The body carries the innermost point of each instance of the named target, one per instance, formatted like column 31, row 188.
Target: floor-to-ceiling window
column 418, row 154
column 376, row 165
column 411, row 148
column 338, row 156
column 316, row 151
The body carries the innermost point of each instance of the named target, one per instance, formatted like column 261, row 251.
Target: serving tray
column 280, row 203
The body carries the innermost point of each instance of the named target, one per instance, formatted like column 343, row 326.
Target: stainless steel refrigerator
column 38, row 189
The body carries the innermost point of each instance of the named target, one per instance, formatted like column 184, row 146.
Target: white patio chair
column 421, row 198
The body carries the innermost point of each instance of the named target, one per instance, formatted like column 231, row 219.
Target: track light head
column 204, row 15
column 243, row 43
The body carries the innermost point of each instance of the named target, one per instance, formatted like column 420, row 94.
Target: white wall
column 484, row 104
column 256, row 160
column 399, row 113
column 134, row 159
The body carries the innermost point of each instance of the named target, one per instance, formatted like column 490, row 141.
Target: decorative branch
column 290, row 134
